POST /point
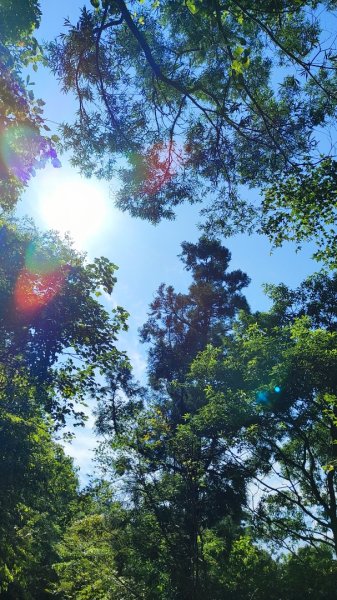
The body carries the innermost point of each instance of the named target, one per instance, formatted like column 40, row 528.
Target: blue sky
column 146, row 255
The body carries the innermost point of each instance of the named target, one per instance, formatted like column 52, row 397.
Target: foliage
column 55, row 337
column 184, row 485
column 283, row 365
column 198, row 97
column 174, row 520
column 86, row 564
column 52, row 322
column 18, row 21
column 303, row 207
column 180, row 325
column 38, row 491
column 260, row 419
column 171, row 454
column 311, row 572
column 251, row 571
column 24, row 143
column 185, row 94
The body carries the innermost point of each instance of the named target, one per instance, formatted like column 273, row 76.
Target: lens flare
column 19, row 144
column 267, row 397
column 39, row 281
column 262, row 397
column 157, row 167
column 33, row 291
column 36, row 260
column 23, row 150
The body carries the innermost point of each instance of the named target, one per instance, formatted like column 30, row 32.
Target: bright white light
column 74, row 205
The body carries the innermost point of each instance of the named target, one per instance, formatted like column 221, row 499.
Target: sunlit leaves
column 24, row 145
column 303, row 208
column 49, row 307
column 38, row 487
column 199, row 74
column 86, row 562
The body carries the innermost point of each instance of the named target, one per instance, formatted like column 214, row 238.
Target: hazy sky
column 146, row 255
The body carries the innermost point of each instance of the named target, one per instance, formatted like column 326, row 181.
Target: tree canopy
column 281, row 365
column 25, row 144
column 216, row 478
column 180, row 325
column 202, row 98
column 238, row 449
column 52, row 322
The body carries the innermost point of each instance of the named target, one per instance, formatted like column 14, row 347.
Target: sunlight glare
column 74, row 205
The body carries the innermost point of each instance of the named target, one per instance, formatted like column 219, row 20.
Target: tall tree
column 262, row 408
column 38, row 491
column 282, row 366
column 180, row 325
column 86, row 566
column 54, row 338
column 178, row 475
column 311, row 573
column 51, row 321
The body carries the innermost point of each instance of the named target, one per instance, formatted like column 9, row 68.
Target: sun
column 74, row 205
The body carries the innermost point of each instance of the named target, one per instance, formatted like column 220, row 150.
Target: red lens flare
column 158, row 166
column 34, row 291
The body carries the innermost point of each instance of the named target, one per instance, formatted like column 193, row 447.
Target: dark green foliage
column 260, row 421
column 172, row 454
column 310, row 573
column 239, row 405
column 180, row 325
column 283, row 367
column 316, row 298
column 18, row 19
column 55, row 337
column 51, row 321
column 38, row 491
column 183, row 484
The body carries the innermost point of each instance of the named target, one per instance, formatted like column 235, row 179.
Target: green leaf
column 191, row 6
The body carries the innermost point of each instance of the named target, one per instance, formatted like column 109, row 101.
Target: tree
column 311, row 572
column 260, row 407
column 185, row 92
column 315, row 298
column 52, row 323
column 55, row 337
column 86, row 564
column 25, row 145
column 118, row 552
column 303, row 207
column 261, row 421
column 180, row 325
column 171, row 450
column 185, row 492
column 282, row 366
column 38, row 491
column 251, row 572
